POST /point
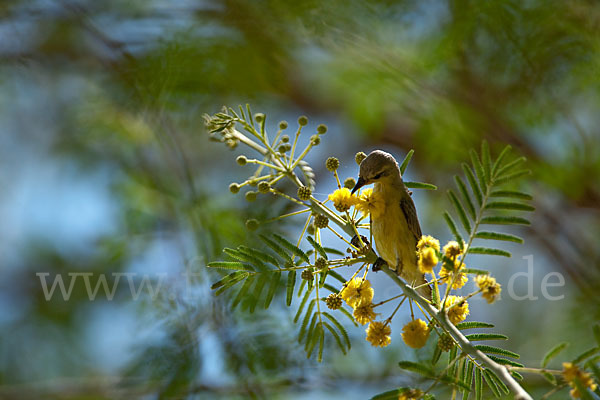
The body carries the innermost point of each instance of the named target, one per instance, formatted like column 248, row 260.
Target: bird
column 396, row 230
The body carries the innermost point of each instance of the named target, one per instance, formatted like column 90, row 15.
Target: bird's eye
column 378, row 175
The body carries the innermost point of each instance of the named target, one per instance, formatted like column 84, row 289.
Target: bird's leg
column 380, row 262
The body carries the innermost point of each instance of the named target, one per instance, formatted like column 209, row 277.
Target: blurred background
column 106, row 168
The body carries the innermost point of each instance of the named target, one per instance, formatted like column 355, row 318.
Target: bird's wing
column 410, row 213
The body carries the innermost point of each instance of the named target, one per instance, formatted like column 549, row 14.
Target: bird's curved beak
column 361, row 182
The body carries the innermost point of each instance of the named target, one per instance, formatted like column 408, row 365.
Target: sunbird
column 396, row 230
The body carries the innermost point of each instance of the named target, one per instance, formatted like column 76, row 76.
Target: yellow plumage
column 394, row 241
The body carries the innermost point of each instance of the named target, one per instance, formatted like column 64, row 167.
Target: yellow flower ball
column 356, row 291
column 458, row 309
column 378, row 334
column 415, row 333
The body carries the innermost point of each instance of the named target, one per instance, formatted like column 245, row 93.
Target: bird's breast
column 393, row 239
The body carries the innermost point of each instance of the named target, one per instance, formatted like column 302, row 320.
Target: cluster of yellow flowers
column 415, row 333
column 358, row 294
column 572, row 373
column 458, row 309
column 453, row 268
column 368, row 202
column 490, row 289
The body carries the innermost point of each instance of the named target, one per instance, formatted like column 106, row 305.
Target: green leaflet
column 452, row 226
column 417, row 368
column 478, row 169
column 460, row 210
column 305, row 320
column 500, row 158
column 276, row 248
column 465, row 195
column 498, row 236
column 476, row 271
column 259, row 254
column 291, row 281
column 586, row 354
column 501, row 385
column 291, row 247
column 272, row 288
column 235, row 265
column 473, row 324
column 333, row 251
column 317, row 247
column 468, row 378
column 405, row 162
column 486, row 160
column 504, row 220
column 254, row 297
column 420, row 185
column 489, row 251
column 490, row 382
column 478, row 384
column 340, row 327
column 335, row 336
column 473, row 183
column 512, row 177
column 508, row 205
column 247, row 283
column 302, row 303
column 504, row 361
column 507, row 167
column 496, row 350
column 228, row 281
column 553, row 352
column 486, row 336
column 511, row 193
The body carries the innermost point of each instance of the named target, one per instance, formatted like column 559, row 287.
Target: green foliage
column 485, row 176
column 553, row 352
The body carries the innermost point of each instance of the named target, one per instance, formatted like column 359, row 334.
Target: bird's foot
column 380, row 262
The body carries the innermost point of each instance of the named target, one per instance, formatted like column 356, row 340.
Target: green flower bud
column 332, row 163
column 285, row 139
column 320, row 263
column 241, row 160
column 234, row 188
column 264, row 187
column 302, row 121
column 283, row 125
column 315, row 140
column 250, row 196
column 349, row 183
column 259, row 117
column 333, row 301
column 445, row 343
column 252, row 224
column 321, row 129
column 307, row 274
column 310, row 229
column 288, row 147
column 282, row 148
column 231, row 143
column 321, row 221
column 359, row 157
column 304, row 193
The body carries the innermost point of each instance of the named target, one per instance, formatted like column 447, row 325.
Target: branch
column 465, row 344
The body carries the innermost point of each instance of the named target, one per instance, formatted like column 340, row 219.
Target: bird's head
column 379, row 166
